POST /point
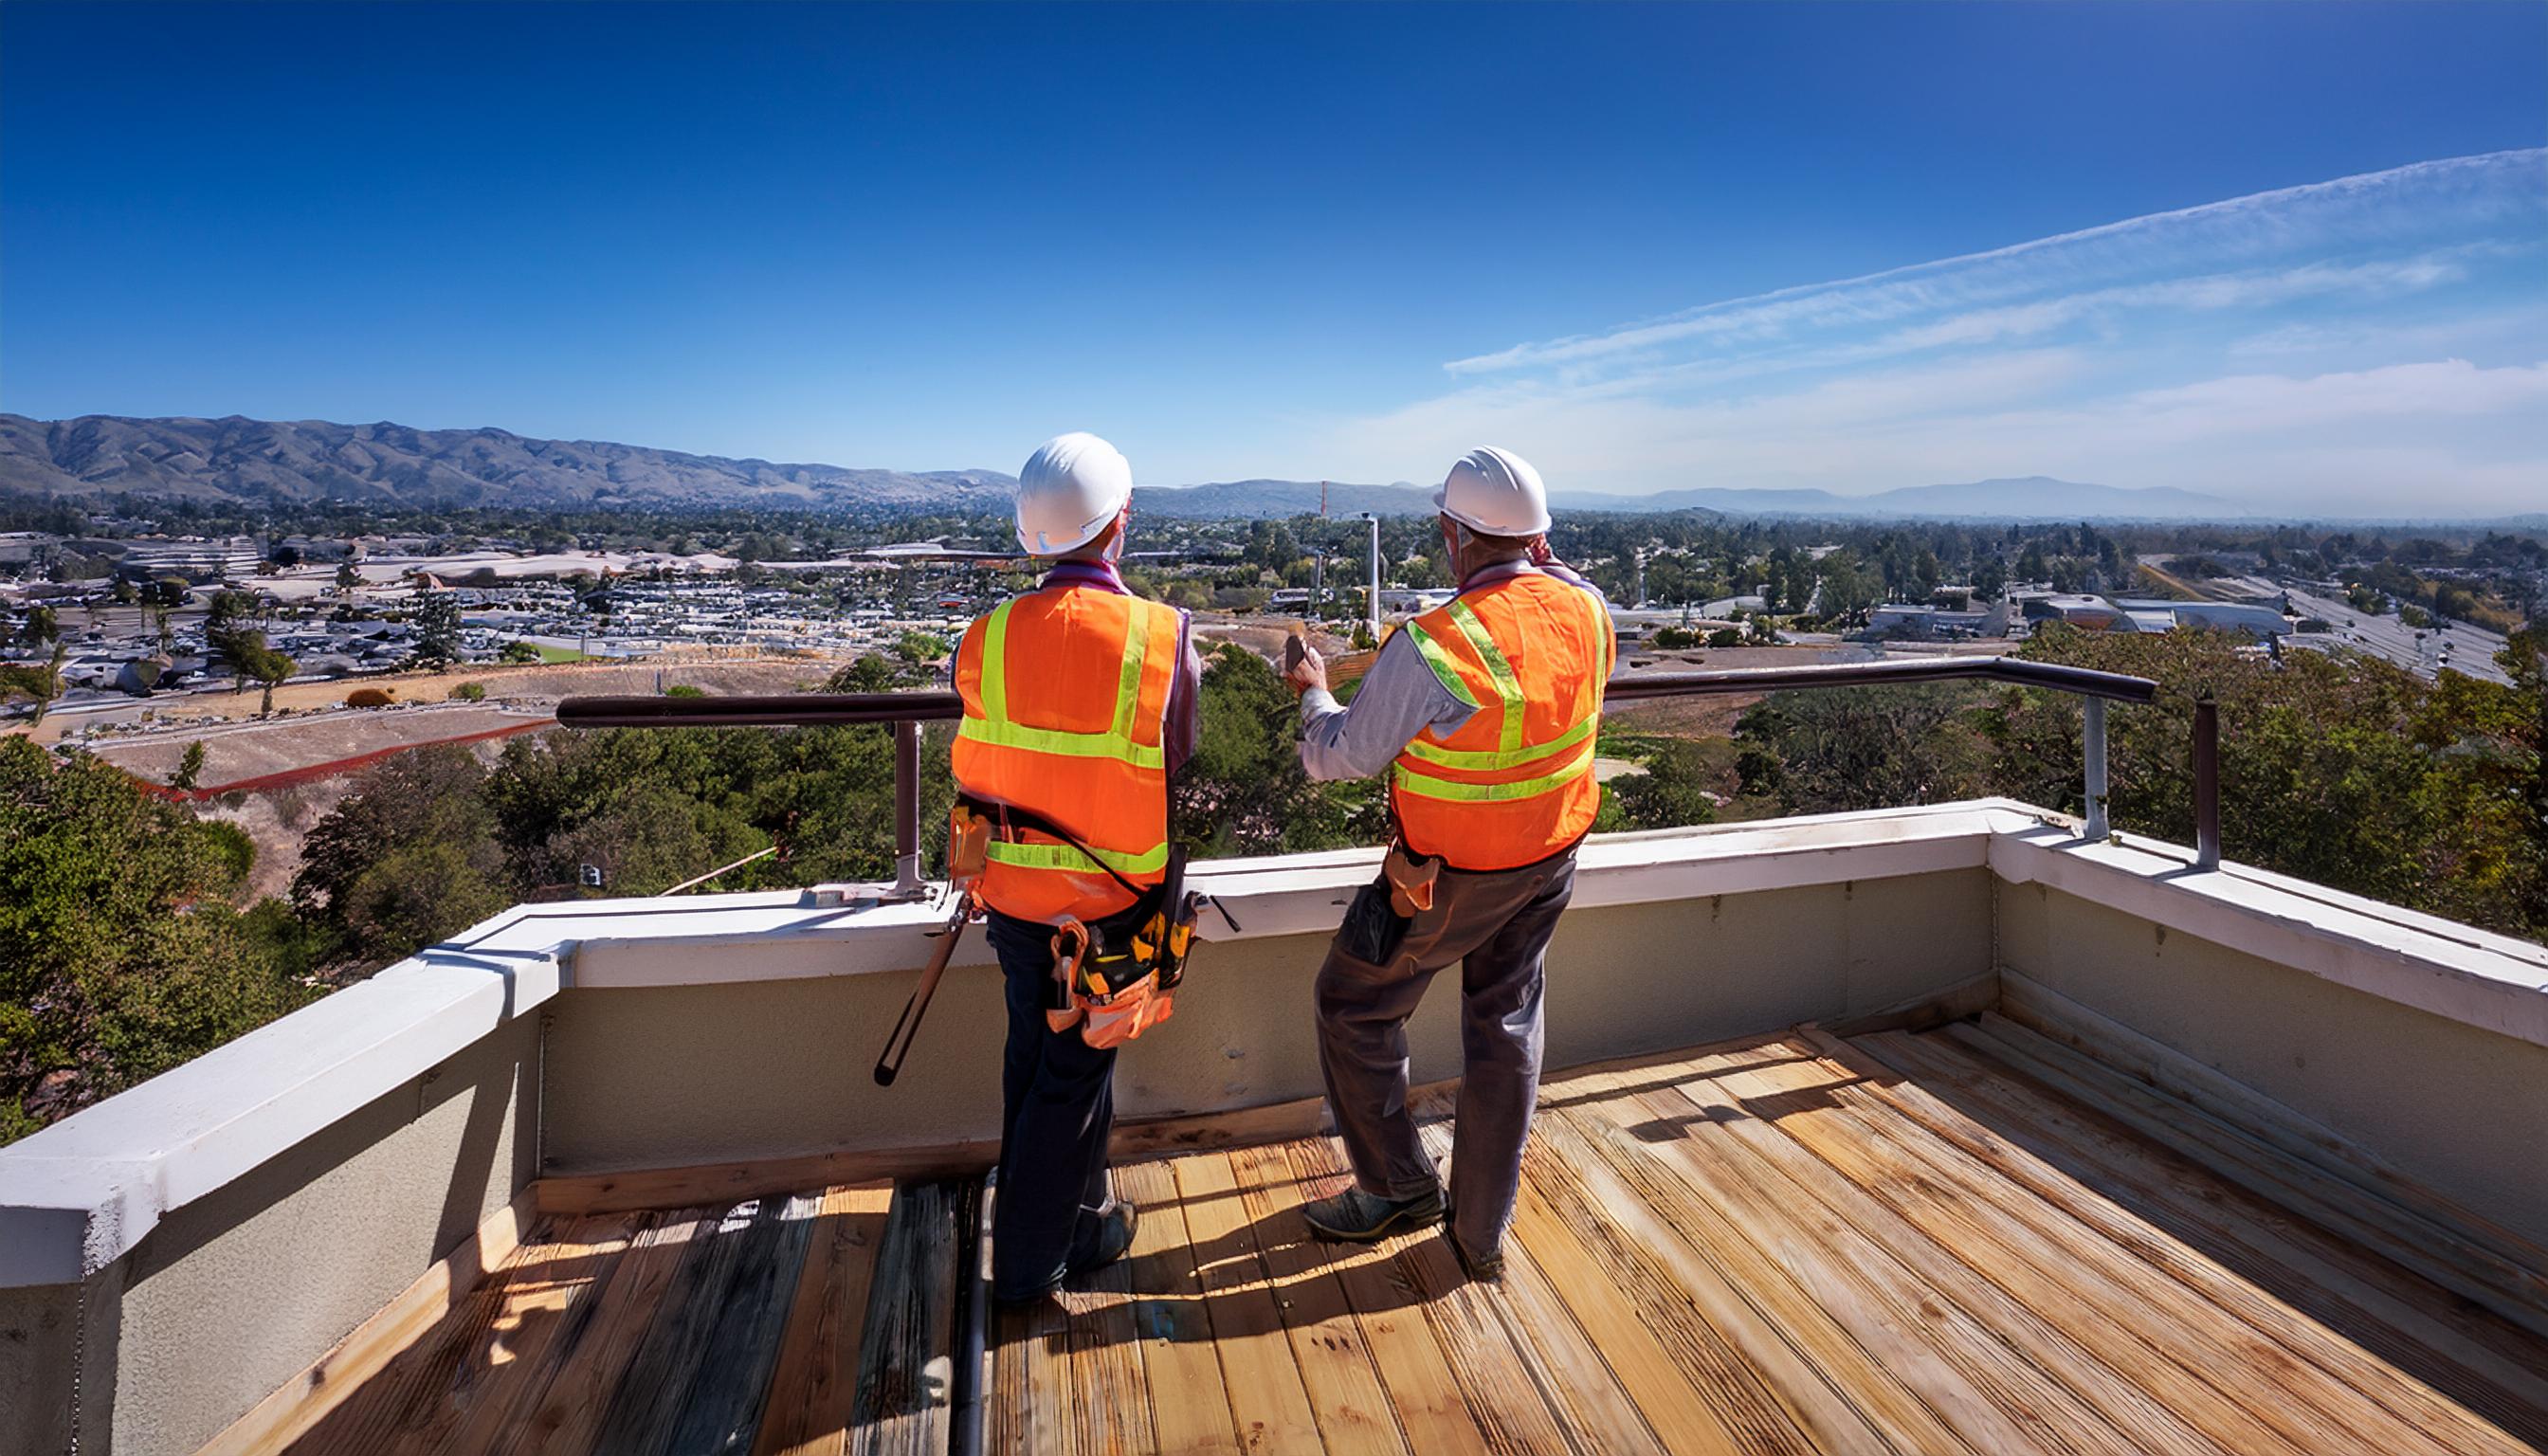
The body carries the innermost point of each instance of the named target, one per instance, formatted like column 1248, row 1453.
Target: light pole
column 1375, row 575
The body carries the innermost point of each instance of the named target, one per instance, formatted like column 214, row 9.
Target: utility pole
column 1318, row 581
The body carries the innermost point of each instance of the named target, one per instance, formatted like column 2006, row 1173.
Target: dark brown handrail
column 907, row 710
column 811, row 709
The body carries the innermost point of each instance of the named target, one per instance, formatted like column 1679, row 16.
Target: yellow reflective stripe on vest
column 1507, row 686
column 1127, row 685
column 995, row 726
column 1484, row 758
column 1066, row 857
column 1426, row 786
column 1446, row 671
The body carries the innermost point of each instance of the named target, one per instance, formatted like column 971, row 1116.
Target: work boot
column 1111, row 1241
column 1356, row 1216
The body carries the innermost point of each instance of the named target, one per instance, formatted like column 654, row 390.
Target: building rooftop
column 1970, row 1240
column 1996, row 1137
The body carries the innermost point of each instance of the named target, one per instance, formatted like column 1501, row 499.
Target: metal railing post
column 2092, row 748
column 907, row 882
column 2206, row 785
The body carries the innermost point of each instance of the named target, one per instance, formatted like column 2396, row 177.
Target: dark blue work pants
column 1058, row 1104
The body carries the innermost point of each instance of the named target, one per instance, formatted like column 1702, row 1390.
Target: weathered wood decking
column 1966, row 1240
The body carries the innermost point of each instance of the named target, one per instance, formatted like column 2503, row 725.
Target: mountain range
column 235, row 459
column 241, row 460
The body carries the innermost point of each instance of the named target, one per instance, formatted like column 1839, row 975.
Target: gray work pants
column 1498, row 925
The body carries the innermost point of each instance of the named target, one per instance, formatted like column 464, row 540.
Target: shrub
column 684, row 690
column 469, row 692
column 369, row 697
column 1725, row 637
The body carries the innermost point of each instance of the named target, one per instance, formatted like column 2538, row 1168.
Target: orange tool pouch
column 1410, row 880
column 969, row 846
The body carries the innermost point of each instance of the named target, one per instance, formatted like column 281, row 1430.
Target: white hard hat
column 1495, row 492
column 1070, row 488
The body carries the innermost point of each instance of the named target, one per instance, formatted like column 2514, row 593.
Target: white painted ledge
column 2486, row 980
column 78, row 1195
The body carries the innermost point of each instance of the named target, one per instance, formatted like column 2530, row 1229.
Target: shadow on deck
column 1968, row 1239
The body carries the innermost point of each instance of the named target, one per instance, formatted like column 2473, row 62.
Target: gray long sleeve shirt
column 1399, row 697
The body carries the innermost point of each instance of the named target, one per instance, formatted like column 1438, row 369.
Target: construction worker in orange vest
column 1483, row 712
column 1080, row 701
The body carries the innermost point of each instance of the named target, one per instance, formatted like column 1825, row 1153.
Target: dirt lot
column 535, row 686
column 236, row 750
column 1713, row 717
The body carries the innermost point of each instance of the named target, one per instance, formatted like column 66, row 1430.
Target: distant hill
column 239, row 459
column 2030, row 498
column 249, row 460
column 2033, row 497
column 1249, row 500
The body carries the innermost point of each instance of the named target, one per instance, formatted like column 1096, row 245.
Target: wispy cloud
column 2126, row 352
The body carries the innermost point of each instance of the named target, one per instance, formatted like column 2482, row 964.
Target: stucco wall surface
column 2462, row 1110
column 660, row 1077
column 238, row 1292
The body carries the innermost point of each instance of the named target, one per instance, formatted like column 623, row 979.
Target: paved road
column 2471, row 648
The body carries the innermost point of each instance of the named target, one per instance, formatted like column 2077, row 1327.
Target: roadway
column 2418, row 650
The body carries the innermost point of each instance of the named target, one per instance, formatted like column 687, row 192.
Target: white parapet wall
column 169, row 1257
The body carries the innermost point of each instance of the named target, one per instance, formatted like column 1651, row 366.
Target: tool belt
column 1113, row 977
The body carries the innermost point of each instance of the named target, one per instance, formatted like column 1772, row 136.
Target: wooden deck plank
column 1819, row 1368
column 1695, row 1385
column 807, row 1413
column 1267, row 1396
column 720, row 1412
column 596, row 1350
column 1353, row 1412
column 2445, row 1255
column 432, row 1385
column 1574, row 1378
column 1110, row 1386
column 675, row 1348
column 1190, row 1408
column 545, row 1305
column 2092, row 1327
column 1433, row 1414
column 1031, row 1379
column 298, row 1407
column 2383, row 1331
column 1502, row 1389
column 2153, row 1289
column 1941, row 1350
column 901, row 1405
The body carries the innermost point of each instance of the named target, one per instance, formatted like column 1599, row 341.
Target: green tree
column 122, row 954
column 1672, row 792
column 517, row 652
column 39, row 683
column 270, row 668
column 347, row 577
column 408, row 859
column 1245, row 791
column 190, row 766
column 42, row 625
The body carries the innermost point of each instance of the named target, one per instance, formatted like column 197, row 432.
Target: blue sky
column 2296, row 254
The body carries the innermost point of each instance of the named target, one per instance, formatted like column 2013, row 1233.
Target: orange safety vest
column 1514, row 784
column 1065, row 690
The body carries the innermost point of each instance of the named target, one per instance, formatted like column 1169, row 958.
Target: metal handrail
column 906, row 711
column 814, row 709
